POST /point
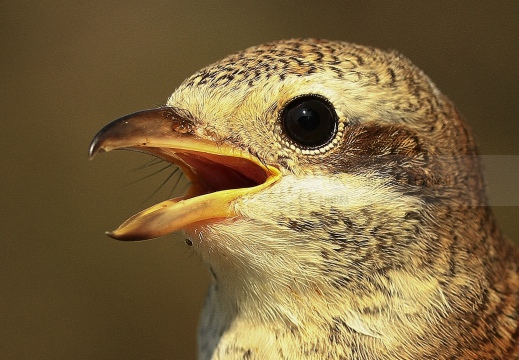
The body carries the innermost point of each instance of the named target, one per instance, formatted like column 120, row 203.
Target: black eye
column 309, row 121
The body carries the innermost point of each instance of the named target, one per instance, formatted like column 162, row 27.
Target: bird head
column 321, row 173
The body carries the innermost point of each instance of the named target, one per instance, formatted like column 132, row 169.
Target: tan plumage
column 377, row 243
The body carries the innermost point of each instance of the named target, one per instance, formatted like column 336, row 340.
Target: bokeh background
column 69, row 67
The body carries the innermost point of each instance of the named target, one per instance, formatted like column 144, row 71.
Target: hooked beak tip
column 94, row 148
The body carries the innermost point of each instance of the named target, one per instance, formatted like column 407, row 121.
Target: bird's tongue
column 212, row 172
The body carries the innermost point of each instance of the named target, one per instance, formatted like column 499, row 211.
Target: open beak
column 219, row 174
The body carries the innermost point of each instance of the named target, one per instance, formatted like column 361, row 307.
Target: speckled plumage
column 380, row 245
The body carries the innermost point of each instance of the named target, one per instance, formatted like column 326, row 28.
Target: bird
column 337, row 199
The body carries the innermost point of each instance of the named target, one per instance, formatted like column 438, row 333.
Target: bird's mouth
column 219, row 173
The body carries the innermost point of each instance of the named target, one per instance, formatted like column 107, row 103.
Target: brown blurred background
column 69, row 67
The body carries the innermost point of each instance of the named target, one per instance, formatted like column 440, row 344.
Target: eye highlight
column 309, row 121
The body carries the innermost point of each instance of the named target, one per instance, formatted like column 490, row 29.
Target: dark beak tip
column 95, row 147
column 92, row 150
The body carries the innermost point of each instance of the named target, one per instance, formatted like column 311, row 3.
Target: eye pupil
column 309, row 121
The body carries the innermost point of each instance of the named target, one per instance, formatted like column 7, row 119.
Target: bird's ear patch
column 392, row 150
column 379, row 140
